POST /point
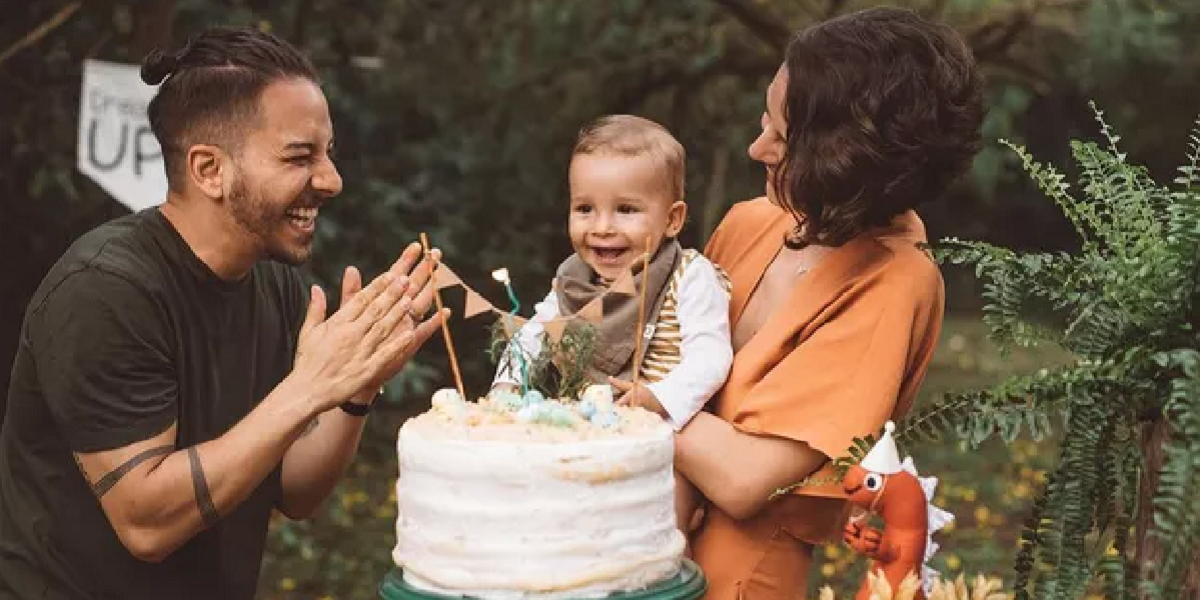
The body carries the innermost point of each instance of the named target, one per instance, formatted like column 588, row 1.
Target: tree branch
column 993, row 38
column 41, row 31
column 768, row 27
column 746, row 66
column 300, row 21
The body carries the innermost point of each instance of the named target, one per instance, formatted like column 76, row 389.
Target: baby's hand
column 641, row 396
column 505, row 387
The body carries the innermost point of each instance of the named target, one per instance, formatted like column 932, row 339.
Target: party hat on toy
column 883, row 457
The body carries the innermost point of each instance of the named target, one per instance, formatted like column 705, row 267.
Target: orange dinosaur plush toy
column 882, row 484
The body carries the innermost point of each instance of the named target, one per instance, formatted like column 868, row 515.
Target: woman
column 836, row 307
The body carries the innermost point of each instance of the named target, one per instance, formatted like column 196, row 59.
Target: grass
column 346, row 550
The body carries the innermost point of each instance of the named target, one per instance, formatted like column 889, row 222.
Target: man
column 171, row 388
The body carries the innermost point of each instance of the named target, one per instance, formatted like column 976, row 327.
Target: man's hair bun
column 157, row 66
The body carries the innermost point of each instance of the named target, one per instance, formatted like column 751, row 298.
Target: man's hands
column 640, row 396
column 373, row 334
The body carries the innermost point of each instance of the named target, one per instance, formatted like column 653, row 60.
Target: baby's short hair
column 629, row 135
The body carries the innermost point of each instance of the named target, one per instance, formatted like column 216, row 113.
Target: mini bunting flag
column 475, row 304
column 593, row 312
column 511, row 324
column 624, row 285
column 555, row 329
column 443, row 278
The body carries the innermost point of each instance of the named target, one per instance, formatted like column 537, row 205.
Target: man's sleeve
column 103, row 352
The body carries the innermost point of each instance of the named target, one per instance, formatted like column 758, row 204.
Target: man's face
column 284, row 172
column 617, row 204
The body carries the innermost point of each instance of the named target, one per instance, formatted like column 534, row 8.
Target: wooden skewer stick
column 641, row 322
column 437, row 298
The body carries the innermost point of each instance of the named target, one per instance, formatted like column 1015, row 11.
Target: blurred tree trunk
column 1149, row 550
column 153, row 21
column 715, row 197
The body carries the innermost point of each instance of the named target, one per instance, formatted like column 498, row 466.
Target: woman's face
column 769, row 147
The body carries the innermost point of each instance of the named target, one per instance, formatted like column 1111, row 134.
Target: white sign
column 116, row 147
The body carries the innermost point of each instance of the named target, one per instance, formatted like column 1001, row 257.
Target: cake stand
column 687, row 584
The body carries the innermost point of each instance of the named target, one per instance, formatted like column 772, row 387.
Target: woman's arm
column 739, row 471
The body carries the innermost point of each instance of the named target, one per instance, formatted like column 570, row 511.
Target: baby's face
column 617, row 204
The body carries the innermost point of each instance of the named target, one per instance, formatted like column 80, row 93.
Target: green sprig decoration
column 560, row 369
column 854, row 455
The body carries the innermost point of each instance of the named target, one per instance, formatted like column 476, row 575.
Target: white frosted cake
column 520, row 497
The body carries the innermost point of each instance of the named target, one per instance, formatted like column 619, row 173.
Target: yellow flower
column 827, row 570
column 968, row 494
column 832, row 552
column 1022, row 490
column 953, row 562
column 287, row 584
column 981, row 515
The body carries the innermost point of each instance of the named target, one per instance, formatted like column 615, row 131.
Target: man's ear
column 206, row 168
column 676, row 217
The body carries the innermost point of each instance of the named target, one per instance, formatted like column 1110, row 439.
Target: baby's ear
column 676, row 218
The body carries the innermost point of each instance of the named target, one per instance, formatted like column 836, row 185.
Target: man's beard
column 261, row 222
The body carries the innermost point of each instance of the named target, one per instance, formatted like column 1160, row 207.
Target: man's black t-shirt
column 129, row 333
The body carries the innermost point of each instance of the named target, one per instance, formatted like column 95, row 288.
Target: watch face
column 357, row 409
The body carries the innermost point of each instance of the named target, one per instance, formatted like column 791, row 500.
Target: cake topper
column 501, row 275
column 568, row 341
column 437, row 298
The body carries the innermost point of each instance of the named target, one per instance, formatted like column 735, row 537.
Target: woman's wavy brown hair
column 884, row 111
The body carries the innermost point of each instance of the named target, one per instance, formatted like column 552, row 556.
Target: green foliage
column 858, row 449
column 560, row 369
column 1125, row 308
column 574, row 357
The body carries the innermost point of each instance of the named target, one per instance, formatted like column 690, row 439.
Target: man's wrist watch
column 358, row 409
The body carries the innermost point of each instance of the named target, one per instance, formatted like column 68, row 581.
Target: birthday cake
column 516, row 496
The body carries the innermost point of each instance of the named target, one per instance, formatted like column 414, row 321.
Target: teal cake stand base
column 687, row 584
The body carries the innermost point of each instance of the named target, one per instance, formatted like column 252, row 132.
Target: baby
column 626, row 182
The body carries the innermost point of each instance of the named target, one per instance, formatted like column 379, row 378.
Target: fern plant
column 1126, row 307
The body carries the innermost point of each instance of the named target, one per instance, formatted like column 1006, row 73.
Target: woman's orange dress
column 844, row 353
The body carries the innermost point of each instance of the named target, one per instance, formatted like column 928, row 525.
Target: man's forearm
column 317, row 460
column 192, row 488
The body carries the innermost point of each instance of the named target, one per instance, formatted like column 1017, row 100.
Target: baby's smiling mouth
column 608, row 254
